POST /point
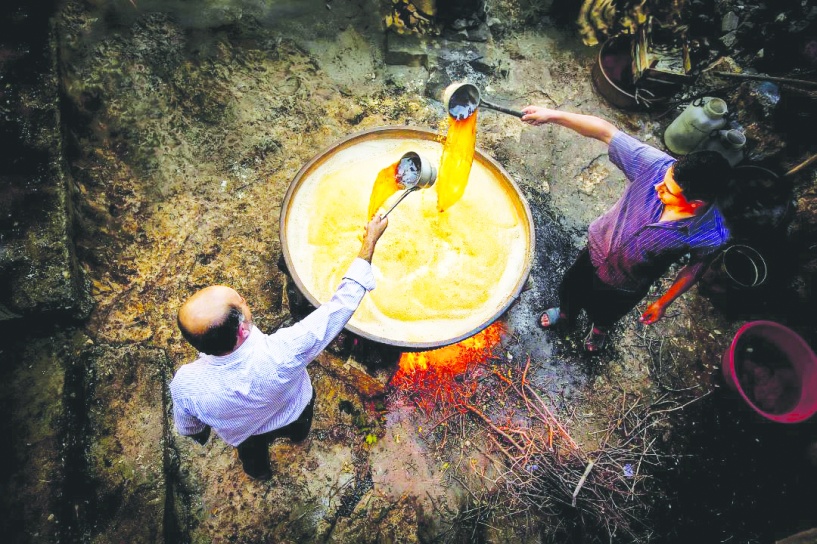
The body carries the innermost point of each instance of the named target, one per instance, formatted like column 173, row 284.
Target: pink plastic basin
column 774, row 370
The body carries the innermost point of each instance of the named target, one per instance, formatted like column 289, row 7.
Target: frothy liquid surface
column 439, row 275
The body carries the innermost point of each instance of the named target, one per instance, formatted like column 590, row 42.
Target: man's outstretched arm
column 586, row 125
column 687, row 277
column 305, row 339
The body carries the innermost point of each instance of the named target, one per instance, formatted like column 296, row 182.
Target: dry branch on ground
column 529, row 463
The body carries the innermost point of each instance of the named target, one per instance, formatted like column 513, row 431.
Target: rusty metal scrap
column 663, row 60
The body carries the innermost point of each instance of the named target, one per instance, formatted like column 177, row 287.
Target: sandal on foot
column 596, row 340
column 554, row 316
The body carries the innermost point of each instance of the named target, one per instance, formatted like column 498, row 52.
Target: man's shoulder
column 635, row 156
column 625, row 138
column 711, row 231
column 622, row 141
column 716, row 222
column 186, row 372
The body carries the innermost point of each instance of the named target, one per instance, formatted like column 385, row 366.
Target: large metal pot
column 612, row 77
column 441, row 277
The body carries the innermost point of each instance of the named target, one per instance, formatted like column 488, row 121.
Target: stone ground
column 184, row 135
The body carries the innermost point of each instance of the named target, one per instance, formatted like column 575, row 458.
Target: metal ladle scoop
column 462, row 100
column 413, row 172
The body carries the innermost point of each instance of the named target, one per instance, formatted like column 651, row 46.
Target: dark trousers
column 581, row 288
column 254, row 451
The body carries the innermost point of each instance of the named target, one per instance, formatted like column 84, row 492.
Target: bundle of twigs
column 535, row 466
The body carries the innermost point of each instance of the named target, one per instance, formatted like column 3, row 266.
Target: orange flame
column 430, row 369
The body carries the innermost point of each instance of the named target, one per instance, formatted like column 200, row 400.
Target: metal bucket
column 612, row 77
column 743, row 265
column 314, row 217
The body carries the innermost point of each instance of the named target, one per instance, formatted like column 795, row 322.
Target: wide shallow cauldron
column 441, row 277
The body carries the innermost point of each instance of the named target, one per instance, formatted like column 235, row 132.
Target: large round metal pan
column 441, row 277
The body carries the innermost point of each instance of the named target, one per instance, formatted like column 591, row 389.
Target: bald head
column 211, row 320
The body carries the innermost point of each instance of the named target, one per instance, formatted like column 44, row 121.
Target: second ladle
column 413, row 172
column 462, row 100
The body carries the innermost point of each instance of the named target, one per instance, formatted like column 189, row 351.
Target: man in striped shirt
column 667, row 211
column 251, row 387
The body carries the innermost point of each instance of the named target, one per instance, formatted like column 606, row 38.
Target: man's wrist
column 366, row 252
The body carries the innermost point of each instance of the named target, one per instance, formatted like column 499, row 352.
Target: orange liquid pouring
column 384, row 186
column 455, row 164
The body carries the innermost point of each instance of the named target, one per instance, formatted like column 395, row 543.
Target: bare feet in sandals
column 550, row 318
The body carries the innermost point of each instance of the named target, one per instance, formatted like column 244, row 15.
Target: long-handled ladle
column 462, row 100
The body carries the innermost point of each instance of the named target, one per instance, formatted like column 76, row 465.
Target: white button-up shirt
column 263, row 385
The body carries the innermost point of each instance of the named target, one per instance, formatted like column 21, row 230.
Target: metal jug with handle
column 695, row 124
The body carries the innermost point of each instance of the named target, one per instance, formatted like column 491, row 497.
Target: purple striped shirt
column 629, row 246
column 263, row 385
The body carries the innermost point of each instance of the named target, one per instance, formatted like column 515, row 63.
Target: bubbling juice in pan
column 440, row 267
column 428, row 265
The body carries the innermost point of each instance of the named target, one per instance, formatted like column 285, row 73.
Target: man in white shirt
column 251, row 387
